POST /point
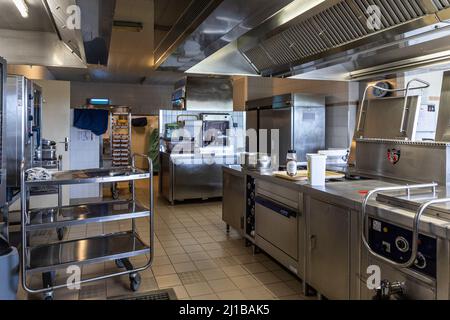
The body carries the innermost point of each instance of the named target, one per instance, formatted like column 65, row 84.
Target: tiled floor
column 194, row 255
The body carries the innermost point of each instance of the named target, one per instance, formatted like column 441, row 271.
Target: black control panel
column 250, row 207
column 395, row 243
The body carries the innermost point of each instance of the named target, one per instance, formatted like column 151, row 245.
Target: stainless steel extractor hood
column 327, row 34
column 203, row 94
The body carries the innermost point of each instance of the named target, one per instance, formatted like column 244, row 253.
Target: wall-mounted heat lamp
column 22, row 7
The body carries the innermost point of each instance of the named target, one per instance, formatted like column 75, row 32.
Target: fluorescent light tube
column 22, row 7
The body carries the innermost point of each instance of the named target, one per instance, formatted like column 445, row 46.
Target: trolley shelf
column 46, row 258
column 93, row 176
column 50, row 218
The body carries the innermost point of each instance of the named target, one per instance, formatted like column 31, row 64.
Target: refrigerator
column 286, row 122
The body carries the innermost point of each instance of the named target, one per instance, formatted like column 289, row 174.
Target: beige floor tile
column 280, row 289
column 245, row 282
column 191, row 277
column 271, row 265
column 231, row 295
column 160, row 261
column 168, row 281
column 285, row 275
column 218, row 253
column 295, row 285
column 293, row 297
column 266, row 277
column 255, row 267
column 163, row 270
column 198, row 289
column 174, row 250
column 222, row 285
column 206, row 297
column 193, row 248
column 234, row 271
column 170, row 243
column 200, row 255
column 177, row 258
column 206, row 264
column 184, row 267
column 257, row 293
column 180, row 292
column 213, row 274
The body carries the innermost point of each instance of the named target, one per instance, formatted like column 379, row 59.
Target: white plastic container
column 317, row 164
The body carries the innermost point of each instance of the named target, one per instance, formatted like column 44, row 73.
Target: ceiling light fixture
column 22, row 7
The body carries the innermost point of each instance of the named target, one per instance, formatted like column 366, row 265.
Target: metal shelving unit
column 118, row 247
column 120, row 139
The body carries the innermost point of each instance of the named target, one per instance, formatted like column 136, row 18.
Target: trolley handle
column 417, row 217
column 406, row 90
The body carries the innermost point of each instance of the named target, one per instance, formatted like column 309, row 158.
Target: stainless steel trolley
column 118, row 247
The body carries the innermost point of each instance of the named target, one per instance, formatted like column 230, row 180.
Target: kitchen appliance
column 278, row 206
column 203, row 94
column 287, row 122
column 413, row 260
column 19, row 127
column 215, row 129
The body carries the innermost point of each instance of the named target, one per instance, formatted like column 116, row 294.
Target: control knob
column 402, row 244
column 421, row 261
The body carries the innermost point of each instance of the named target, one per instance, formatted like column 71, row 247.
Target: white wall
column 143, row 99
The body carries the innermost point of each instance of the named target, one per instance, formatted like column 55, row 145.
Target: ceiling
column 11, row 19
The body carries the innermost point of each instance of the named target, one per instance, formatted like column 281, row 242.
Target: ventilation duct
column 333, row 27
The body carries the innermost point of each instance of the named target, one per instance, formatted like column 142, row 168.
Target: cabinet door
column 329, row 254
column 233, row 203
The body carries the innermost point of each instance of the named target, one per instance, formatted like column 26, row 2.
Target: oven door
column 277, row 223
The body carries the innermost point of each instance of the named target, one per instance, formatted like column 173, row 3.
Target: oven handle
column 417, row 217
column 276, row 207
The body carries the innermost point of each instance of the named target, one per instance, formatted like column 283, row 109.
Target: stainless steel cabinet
column 233, row 205
column 328, row 266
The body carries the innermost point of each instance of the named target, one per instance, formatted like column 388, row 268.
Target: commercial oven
column 19, row 127
column 279, row 224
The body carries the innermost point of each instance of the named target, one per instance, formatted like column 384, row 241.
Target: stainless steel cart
column 118, row 247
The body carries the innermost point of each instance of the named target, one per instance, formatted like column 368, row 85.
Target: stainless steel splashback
column 382, row 118
column 407, row 161
column 203, row 94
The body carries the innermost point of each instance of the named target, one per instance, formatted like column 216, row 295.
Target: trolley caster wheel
column 135, row 282
column 48, row 296
column 60, row 233
column 119, row 264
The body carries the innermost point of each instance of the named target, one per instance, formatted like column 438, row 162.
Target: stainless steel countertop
column 350, row 194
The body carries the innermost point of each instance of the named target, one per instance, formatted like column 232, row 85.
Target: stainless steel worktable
column 350, row 193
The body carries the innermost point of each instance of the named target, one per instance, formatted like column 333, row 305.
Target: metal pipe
column 413, row 257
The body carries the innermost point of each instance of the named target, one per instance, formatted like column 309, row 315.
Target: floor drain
column 167, row 294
